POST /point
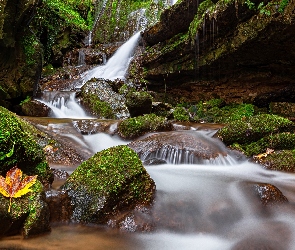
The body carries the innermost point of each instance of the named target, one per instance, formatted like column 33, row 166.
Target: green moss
column 180, row 114
column 134, row 127
column 29, row 212
column 107, row 181
column 18, row 147
column 278, row 141
column 281, row 161
column 98, row 107
column 253, row 128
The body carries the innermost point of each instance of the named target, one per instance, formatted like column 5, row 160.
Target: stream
column 203, row 206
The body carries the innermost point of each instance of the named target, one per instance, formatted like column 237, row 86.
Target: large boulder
column 179, row 147
column 18, row 147
column 109, row 182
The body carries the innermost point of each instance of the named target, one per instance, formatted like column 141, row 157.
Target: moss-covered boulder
column 100, row 99
column 137, row 126
column 29, row 214
column 109, row 182
column 253, row 128
column 278, row 141
column 181, row 114
column 282, row 160
column 18, row 147
column 139, row 103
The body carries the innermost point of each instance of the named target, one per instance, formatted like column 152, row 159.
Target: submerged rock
column 111, row 181
column 179, row 147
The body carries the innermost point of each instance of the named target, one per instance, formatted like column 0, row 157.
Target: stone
column 178, row 147
column 111, row 181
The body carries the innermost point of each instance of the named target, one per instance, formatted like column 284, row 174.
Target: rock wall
column 229, row 50
column 15, row 17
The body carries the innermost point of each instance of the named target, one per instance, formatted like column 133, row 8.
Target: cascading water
column 115, row 68
column 197, row 206
column 117, row 65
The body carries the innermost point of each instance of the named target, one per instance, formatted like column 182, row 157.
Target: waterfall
column 115, row 68
column 81, row 58
column 117, row 65
column 64, row 105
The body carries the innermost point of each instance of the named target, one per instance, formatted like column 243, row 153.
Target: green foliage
column 98, row 107
column 281, row 161
column 30, row 44
column 134, row 127
column 283, row 5
column 253, row 128
column 180, row 114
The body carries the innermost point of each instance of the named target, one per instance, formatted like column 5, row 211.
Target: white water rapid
column 198, row 206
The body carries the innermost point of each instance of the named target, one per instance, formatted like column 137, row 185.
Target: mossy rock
column 283, row 160
column 18, row 147
column 180, row 114
column 139, row 103
column 100, row 99
column 137, row 126
column 29, row 214
column 110, row 181
column 278, row 141
column 253, row 128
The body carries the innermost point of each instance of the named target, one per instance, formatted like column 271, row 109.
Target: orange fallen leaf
column 14, row 186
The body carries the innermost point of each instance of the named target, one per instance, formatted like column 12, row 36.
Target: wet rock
column 59, row 205
column 83, row 56
column 35, row 108
column 178, row 147
column 87, row 127
column 269, row 194
column 98, row 96
column 111, row 181
column 139, row 103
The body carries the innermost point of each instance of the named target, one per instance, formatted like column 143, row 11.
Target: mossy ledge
column 137, row 126
column 111, row 181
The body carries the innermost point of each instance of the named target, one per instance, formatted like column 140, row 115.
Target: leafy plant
column 14, row 186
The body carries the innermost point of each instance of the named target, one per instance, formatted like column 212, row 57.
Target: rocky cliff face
column 17, row 78
column 232, row 50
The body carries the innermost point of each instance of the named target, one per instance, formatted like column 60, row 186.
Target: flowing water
column 64, row 103
column 203, row 206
